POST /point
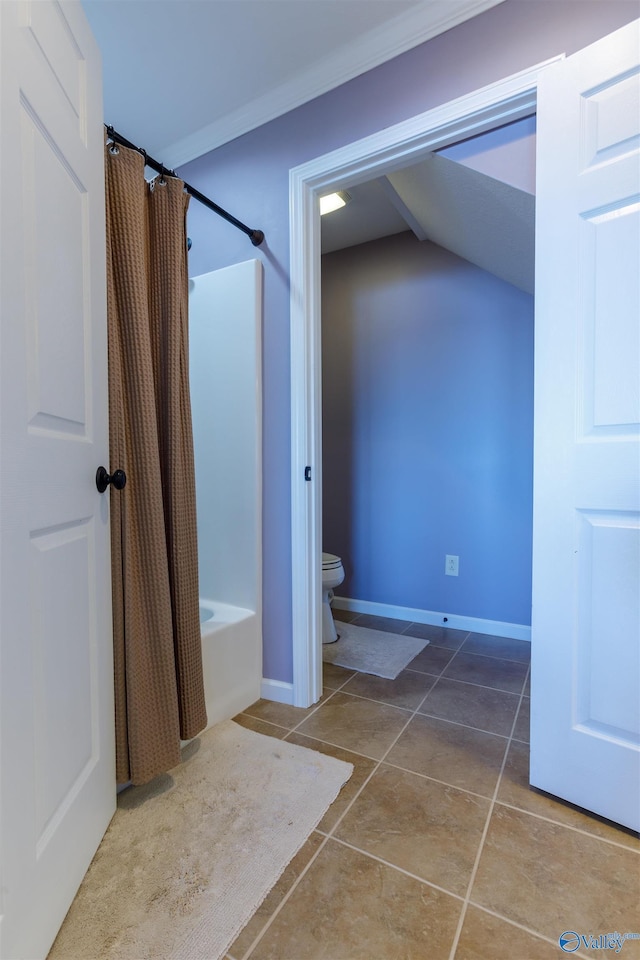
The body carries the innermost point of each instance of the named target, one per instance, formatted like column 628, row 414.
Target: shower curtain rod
column 256, row 236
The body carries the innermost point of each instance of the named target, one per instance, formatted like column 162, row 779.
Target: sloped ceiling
column 476, row 199
column 483, row 220
column 369, row 215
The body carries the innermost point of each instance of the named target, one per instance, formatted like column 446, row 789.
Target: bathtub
column 231, row 658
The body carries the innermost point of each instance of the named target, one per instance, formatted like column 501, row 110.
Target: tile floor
column 437, row 847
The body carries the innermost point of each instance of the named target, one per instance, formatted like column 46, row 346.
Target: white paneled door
column 585, row 693
column 57, row 788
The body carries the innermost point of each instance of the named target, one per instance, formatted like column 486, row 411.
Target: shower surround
column 225, row 319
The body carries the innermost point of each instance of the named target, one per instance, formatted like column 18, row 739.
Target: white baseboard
column 495, row 628
column 277, row 690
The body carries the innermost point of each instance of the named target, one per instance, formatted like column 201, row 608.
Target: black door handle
column 118, row 478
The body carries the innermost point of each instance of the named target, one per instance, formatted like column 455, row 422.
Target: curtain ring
column 113, row 147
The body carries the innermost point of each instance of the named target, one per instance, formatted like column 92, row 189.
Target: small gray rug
column 372, row 651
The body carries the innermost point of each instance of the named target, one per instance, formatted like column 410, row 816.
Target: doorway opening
column 382, row 153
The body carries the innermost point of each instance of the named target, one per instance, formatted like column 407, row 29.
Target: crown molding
column 422, row 22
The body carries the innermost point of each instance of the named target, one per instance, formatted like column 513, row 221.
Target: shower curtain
column 159, row 689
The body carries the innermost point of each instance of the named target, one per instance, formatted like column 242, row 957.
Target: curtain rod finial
column 257, row 236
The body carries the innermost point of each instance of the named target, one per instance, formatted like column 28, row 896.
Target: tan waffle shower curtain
column 159, row 689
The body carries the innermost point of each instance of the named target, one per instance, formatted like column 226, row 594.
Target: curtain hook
column 113, row 147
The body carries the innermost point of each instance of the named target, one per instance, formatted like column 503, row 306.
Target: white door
column 585, row 723
column 57, row 788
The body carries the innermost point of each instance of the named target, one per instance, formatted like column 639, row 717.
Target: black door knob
column 118, row 478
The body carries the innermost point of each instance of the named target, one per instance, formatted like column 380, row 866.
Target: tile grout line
column 469, row 683
column 246, row 955
column 268, row 723
column 520, row 926
column 414, row 713
column 468, row 726
column 327, row 837
column 474, row 870
column 471, row 653
column 378, row 763
column 330, row 835
column 382, row 703
column 289, row 730
column 312, row 860
column 490, row 656
column 568, row 826
column 284, row 900
column 394, row 866
column 442, row 783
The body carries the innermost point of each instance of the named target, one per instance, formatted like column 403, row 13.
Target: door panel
column 56, row 679
column 607, row 685
column 611, row 250
column 585, row 716
column 61, row 608
column 55, row 205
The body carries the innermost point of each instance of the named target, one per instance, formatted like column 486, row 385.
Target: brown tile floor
column 437, row 848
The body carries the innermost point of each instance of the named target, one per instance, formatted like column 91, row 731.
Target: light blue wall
column 250, row 177
column 427, row 429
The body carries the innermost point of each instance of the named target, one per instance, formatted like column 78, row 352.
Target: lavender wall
column 250, row 177
column 427, row 429
column 507, row 154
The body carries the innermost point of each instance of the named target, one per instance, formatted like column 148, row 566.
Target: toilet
column 332, row 576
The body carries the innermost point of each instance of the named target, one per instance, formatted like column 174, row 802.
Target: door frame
column 405, row 143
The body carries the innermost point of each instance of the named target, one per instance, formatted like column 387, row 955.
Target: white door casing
column 390, row 149
column 585, row 707
column 608, row 532
column 57, row 792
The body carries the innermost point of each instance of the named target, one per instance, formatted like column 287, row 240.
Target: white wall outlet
column 451, row 566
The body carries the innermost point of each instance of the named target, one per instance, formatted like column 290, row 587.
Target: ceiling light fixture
column 333, row 201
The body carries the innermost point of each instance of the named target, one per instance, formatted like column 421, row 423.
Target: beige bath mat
column 372, row 651
column 189, row 858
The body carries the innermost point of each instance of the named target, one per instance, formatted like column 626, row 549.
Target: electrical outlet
column 451, row 566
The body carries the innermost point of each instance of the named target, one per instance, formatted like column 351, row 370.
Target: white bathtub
column 231, row 658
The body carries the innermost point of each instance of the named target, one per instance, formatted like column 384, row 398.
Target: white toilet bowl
column 332, row 576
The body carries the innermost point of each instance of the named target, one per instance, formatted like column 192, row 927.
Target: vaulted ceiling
column 476, row 199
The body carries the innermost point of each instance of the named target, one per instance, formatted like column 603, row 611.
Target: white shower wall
column 225, row 347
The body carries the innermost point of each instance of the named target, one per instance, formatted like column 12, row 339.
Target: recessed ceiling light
column 333, row 201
